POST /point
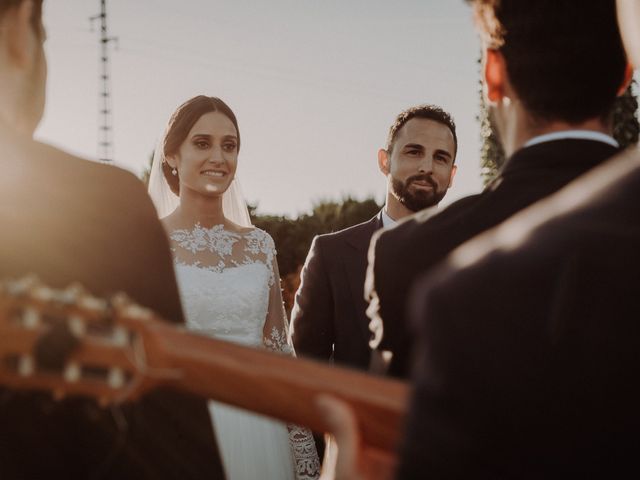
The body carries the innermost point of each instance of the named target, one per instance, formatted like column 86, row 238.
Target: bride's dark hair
column 181, row 123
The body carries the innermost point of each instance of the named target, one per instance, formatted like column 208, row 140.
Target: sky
column 315, row 84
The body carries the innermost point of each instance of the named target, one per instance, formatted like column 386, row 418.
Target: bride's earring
column 174, row 172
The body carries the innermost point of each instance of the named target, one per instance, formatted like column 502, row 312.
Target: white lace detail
column 216, row 248
column 260, row 243
column 277, row 341
column 215, row 239
column 304, row 453
column 303, row 446
column 228, row 289
column 224, row 279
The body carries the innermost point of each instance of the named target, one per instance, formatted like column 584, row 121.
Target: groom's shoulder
column 419, row 226
column 359, row 233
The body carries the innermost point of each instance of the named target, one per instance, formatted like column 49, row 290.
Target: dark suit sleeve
column 436, row 443
column 482, row 370
column 312, row 316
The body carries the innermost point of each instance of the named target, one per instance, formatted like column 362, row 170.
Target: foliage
column 293, row 237
column 146, row 173
column 625, row 118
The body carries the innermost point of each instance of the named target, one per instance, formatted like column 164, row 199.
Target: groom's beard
column 419, row 199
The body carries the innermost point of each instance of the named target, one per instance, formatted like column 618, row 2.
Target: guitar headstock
column 71, row 343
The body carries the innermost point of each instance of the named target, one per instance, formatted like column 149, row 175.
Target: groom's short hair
column 430, row 112
column 36, row 19
column 564, row 58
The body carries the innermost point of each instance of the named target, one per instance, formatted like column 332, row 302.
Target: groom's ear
column 495, row 75
column 383, row 161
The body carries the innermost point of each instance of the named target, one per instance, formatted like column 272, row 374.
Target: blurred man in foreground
column 68, row 220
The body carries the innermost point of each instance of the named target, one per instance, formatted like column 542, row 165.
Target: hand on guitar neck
column 348, row 458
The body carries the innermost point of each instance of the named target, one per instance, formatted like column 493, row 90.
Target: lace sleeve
column 276, row 338
column 275, row 333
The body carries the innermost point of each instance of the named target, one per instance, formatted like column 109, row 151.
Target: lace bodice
column 225, row 280
column 230, row 289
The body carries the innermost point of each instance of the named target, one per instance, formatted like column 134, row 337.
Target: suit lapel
column 355, row 262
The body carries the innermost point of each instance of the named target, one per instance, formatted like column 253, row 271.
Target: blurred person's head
column 418, row 159
column 629, row 20
column 557, row 61
column 23, row 69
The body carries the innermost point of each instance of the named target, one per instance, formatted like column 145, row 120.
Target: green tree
column 293, row 237
column 146, row 173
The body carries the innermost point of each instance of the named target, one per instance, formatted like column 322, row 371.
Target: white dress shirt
column 388, row 222
column 576, row 134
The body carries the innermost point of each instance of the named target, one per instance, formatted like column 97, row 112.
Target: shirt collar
column 388, row 222
column 573, row 134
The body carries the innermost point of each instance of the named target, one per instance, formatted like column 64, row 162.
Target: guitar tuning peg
column 77, row 326
column 22, row 285
column 30, row 318
column 116, row 378
column 120, row 336
column 75, row 289
column 136, row 311
column 26, row 366
column 42, row 293
column 120, row 299
column 93, row 303
column 72, row 372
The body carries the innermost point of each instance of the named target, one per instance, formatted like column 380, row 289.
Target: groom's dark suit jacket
column 70, row 220
column 527, row 360
column 328, row 319
column 401, row 254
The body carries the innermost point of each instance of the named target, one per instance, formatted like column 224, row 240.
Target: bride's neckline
column 218, row 228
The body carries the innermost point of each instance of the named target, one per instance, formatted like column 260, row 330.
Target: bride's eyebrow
column 208, row 136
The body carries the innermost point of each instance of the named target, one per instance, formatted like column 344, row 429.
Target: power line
column 105, row 127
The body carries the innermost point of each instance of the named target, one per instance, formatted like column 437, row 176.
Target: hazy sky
column 315, row 84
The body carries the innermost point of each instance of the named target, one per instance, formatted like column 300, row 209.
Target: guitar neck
column 278, row 385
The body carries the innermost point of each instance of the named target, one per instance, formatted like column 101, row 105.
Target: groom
column 70, row 220
column 329, row 320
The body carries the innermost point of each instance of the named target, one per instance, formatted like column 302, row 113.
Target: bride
column 227, row 277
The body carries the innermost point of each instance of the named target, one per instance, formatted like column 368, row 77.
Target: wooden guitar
column 120, row 351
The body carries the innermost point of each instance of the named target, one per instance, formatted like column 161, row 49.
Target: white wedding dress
column 230, row 290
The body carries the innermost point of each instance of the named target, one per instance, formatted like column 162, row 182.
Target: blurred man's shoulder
column 36, row 159
column 353, row 233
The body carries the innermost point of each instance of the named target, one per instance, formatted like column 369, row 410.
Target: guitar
column 120, row 351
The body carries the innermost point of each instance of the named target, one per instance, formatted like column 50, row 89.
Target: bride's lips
column 213, row 173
